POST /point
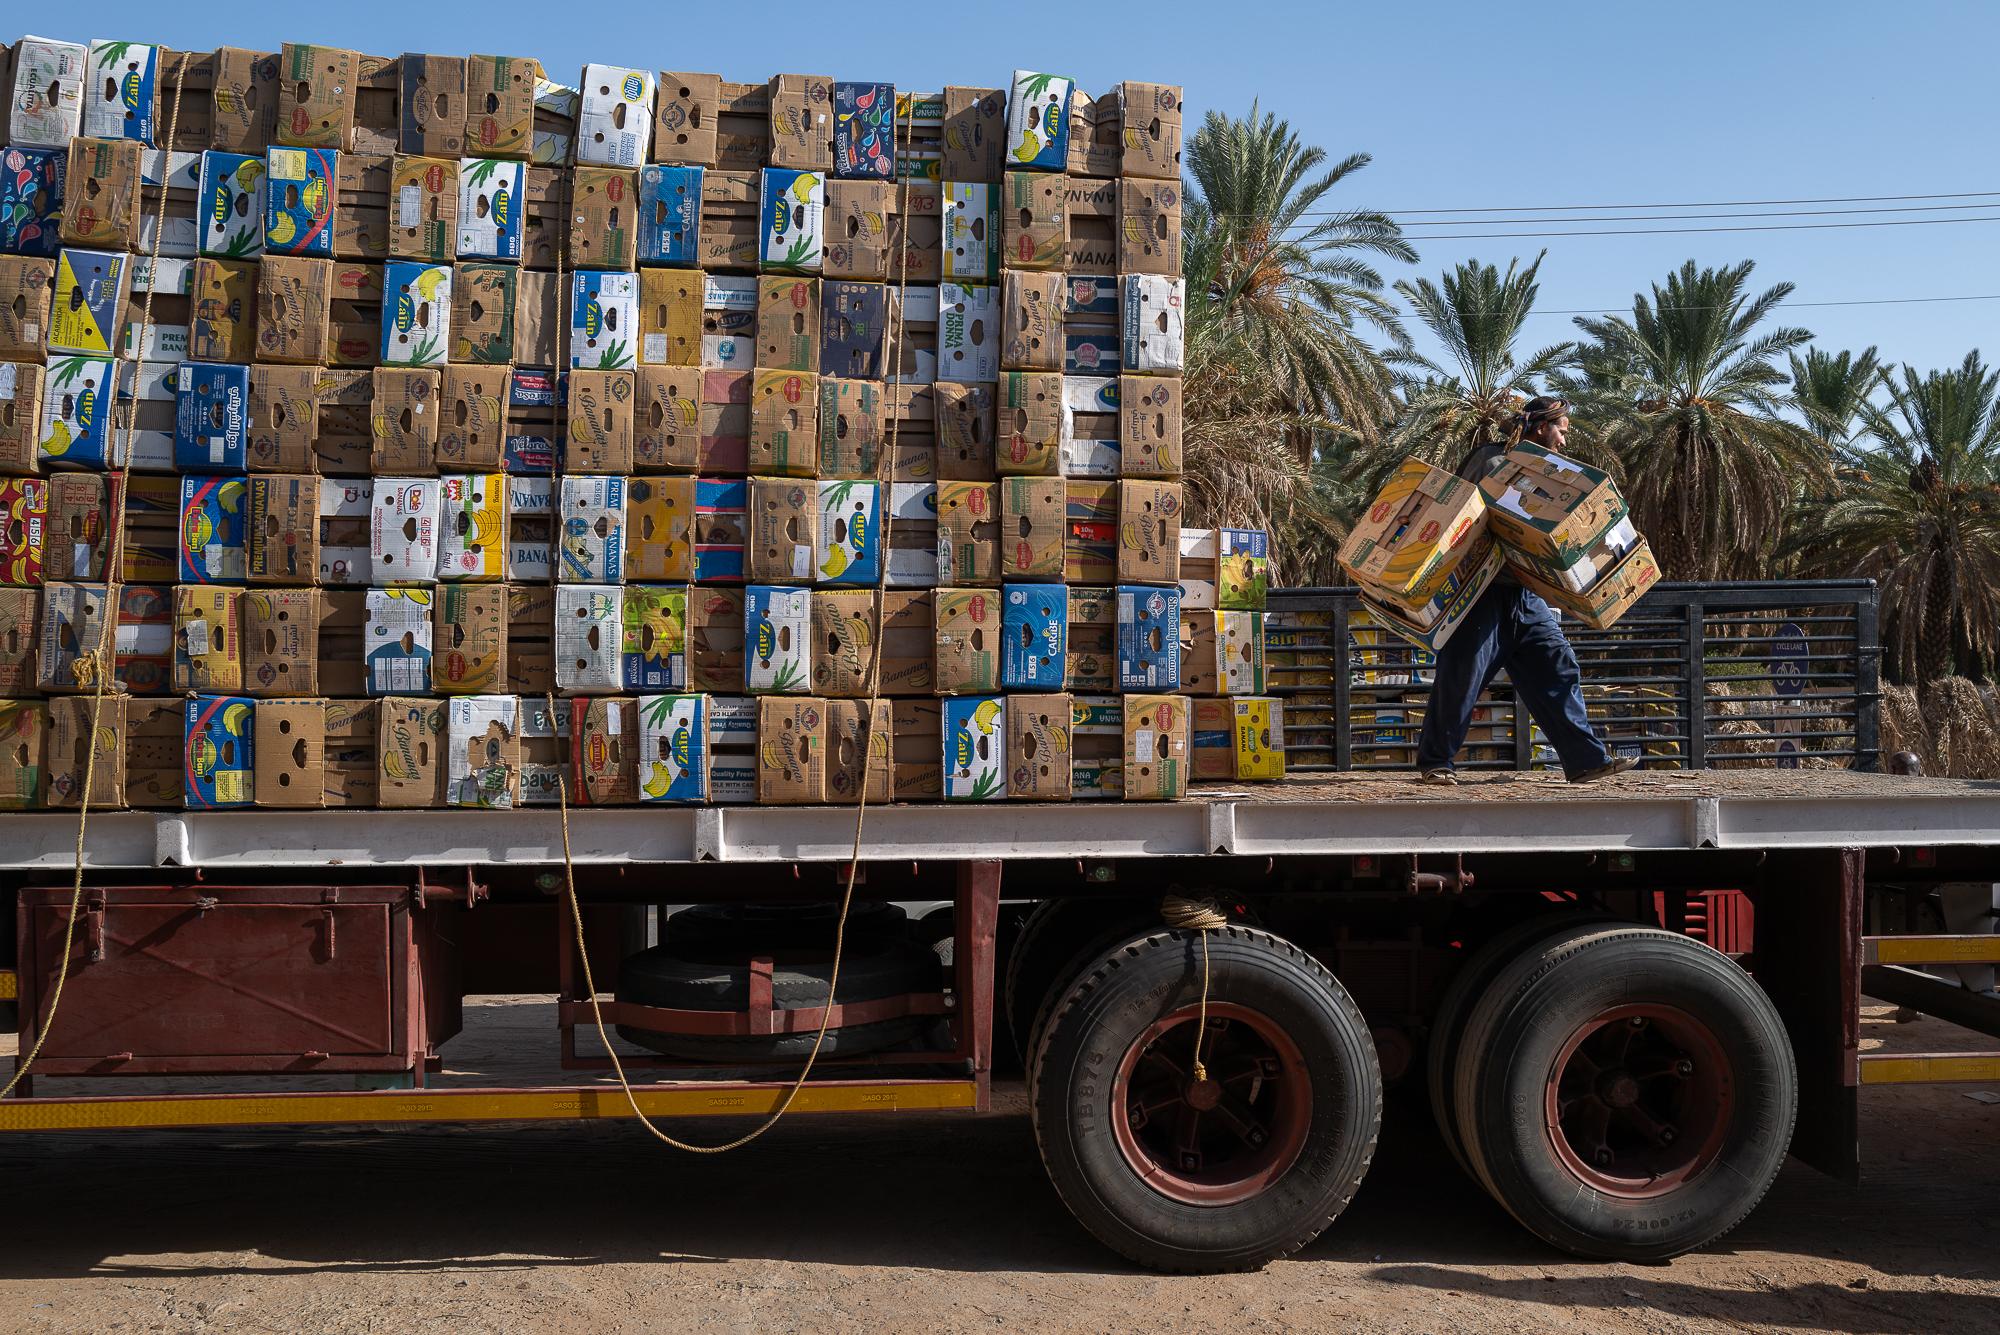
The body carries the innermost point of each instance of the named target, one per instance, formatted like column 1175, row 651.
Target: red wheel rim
column 1639, row 1101
column 1222, row 1140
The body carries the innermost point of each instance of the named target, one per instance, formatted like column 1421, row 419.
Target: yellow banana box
column 653, row 639
column 90, row 292
column 1420, row 527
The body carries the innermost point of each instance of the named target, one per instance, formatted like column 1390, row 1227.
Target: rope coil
column 1200, row 916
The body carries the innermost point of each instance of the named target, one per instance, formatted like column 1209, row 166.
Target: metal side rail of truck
column 1623, row 1005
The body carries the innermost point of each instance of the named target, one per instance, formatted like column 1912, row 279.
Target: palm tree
column 1477, row 313
column 1687, row 394
column 1920, row 514
column 1830, row 390
column 1278, row 277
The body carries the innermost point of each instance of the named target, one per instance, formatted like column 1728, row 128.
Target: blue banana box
column 211, row 539
column 211, row 417
column 300, row 186
column 975, row 748
column 122, row 101
column 76, row 412
column 794, row 212
column 218, row 739
column 673, row 748
column 1034, row 636
column 604, row 320
column 231, row 196
column 1149, row 639
column 849, row 536
column 416, row 313
column 864, row 140
column 777, row 640
column 670, row 216
column 1038, row 121
column 31, row 200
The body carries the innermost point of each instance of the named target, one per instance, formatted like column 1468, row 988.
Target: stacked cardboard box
column 445, row 388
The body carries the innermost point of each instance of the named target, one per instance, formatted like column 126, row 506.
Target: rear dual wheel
column 1626, row 1093
column 1222, row 1170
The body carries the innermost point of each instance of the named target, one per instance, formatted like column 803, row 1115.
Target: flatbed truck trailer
column 1625, row 1004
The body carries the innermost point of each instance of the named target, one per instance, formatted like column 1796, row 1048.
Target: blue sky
column 1463, row 106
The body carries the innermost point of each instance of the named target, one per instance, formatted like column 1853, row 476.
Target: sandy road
column 925, row 1224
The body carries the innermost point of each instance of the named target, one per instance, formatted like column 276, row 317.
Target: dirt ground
column 934, row 1224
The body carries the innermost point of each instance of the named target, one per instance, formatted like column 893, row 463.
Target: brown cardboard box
column 1030, row 423
column 742, row 125
column 1093, row 640
column 784, row 529
column 500, row 105
column 846, row 641
column 78, row 524
column 1092, row 214
column 666, row 431
column 851, row 443
column 1211, row 749
column 1031, row 322
column 224, row 301
column 715, row 640
column 405, row 420
column 1094, row 133
column 349, row 768
column 1033, row 514
column 907, row 643
column 482, row 313
column 155, row 748
column 1149, row 532
column 21, row 388
column 685, row 113
column 20, row 630
column 729, row 244
column 354, row 314
column 1199, row 661
column 604, row 218
column 281, row 529
column 343, row 616
column 968, row 532
column 1150, row 136
column 855, row 728
column 670, row 317
column 280, row 641
column 604, row 751
column 600, row 421
column 24, row 726
column 26, row 287
column 289, row 764
column 787, row 323
column 854, row 329
column 316, row 94
column 802, row 121
column 1610, row 597
column 531, row 649
column 1547, row 510
column 975, row 134
column 915, row 245
column 345, row 436
column 856, row 243
column 1038, row 747
column 472, row 418
column 965, row 431
column 1149, row 433
column 293, row 294
column 469, row 639
column 968, row 641
column 1156, row 747
column 409, row 745
column 152, row 533
column 423, row 208
column 1149, row 227
column 362, row 216
column 544, row 218
column 284, row 419
column 916, row 735
column 791, row 749
column 784, row 423
column 1033, row 229
column 70, row 744
column 434, row 105
column 100, row 208
column 208, row 643
column 244, row 101
column 659, row 530
column 537, row 313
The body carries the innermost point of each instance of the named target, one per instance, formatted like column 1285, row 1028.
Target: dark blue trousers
column 1510, row 628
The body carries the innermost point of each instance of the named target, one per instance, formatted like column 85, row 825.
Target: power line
column 1689, row 231
column 1702, row 204
column 1789, row 305
column 1698, row 217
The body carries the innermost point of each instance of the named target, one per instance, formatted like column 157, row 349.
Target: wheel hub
column 1203, row 1095
column 1638, row 1102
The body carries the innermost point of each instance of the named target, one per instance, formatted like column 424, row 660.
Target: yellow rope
column 99, row 667
column 883, row 508
column 1201, row 917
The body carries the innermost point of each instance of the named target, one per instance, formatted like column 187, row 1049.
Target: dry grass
column 1954, row 727
column 1736, row 735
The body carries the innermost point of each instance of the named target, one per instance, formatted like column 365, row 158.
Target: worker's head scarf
column 1541, row 409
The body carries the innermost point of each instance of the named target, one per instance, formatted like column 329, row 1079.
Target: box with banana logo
column 848, row 547
column 219, row 740
column 975, row 748
column 491, row 208
column 213, row 548
column 482, row 751
column 1038, row 122
column 794, row 211
column 1039, row 762
column 232, row 207
column 299, row 200
column 653, row 637
column 777, row 640
column 89, row 301
column 589, row 634
column 416, row 313
column 76, row 412
column 604, row 320
column 614, row 117
column 670, row 215
column 208, row 644
column 1034, row 637
column 791, row 750
column 672, row 754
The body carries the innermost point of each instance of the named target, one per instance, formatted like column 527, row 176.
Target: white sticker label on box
column 197, row 634
column 409, row 206
column 656, row 350
column 288, row 164
column 801, row 562
column 7, row 377
column 215, row 557
column 1142, row 746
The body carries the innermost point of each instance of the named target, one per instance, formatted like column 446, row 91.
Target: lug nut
column 1668, row 1135
column 1684, row 1067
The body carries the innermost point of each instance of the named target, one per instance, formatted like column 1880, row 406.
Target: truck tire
column 1217, row 1175
column 665, row 976
column 1044, row 955
column 1466, row 988
column 1627, row 1094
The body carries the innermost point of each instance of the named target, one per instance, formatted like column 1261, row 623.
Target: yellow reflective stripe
column 10, row 985
column 1932, row 949
column 1930, row 1068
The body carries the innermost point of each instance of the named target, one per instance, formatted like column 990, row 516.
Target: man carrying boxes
column 1430, row 560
